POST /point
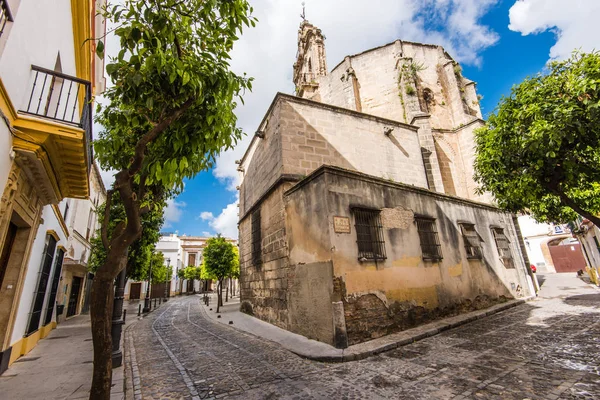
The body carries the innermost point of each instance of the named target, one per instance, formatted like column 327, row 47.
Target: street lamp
column 167, row 282
column 148, row 300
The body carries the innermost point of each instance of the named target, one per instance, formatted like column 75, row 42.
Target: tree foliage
column 160, row 271
column 539, row 152
column 170, row 112
column 219, row 258
column 140, row 252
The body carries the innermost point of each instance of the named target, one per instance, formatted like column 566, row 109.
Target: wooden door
column 6, row 249
column 135, row 291
column 74, row 297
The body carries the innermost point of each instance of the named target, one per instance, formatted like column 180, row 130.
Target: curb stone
column 367, row 349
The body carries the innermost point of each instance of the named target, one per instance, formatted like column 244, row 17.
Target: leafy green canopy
column 160, row 271
column 219, row 257
column 173, row 94
column 539, row 153
column 140, row 252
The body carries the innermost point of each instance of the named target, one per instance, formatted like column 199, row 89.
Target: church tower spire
column 311, row 61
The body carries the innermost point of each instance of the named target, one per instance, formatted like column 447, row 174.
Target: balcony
column 56, row 120
column 5, row 15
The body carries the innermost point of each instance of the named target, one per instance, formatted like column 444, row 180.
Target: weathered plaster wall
column 403, row 290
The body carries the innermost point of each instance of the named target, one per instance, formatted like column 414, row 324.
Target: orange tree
column 539, row 153
column 219, row 259
column 170, row 112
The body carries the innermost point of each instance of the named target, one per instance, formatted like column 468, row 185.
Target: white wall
column 33, row 269
column 40, row 30
column 5, row 149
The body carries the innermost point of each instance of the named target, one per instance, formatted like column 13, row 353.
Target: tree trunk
column 101, row 316
column 219, row 294
column 227, row 291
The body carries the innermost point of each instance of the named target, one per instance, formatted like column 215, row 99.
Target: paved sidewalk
column 60, row 366
column 314, row 350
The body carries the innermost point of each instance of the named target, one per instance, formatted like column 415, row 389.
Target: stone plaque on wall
column 341, row 224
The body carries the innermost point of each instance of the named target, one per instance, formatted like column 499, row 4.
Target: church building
column 359, row 214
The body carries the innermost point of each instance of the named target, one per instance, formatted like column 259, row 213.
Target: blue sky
column 498, row 42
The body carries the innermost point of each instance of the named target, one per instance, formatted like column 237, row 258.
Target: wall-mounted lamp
column 260, row 134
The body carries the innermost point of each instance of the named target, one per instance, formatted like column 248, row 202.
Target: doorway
column 7, row 249
column 74, row 297
column 135, row 290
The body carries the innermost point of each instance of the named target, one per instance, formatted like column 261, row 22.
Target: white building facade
column 179, row 252
column 49, row 75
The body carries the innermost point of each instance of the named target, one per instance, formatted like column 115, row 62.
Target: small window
column 256, row 239
column 430, row 243
column 503, row 246
column 369, row 234
column 472, row 241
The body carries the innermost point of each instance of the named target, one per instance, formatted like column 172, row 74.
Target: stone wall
column 382, row 75
column 263, row 288
column 262, row 164
column 403, row 290
column 314, row 134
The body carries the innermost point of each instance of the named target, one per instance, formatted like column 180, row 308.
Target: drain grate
column 88, row 340
column 25, row 359
column 87, row 362
column 57, row 337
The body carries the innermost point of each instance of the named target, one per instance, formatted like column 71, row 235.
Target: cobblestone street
column 545, row 349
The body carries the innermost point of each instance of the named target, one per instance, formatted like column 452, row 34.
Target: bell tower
column 311, row 61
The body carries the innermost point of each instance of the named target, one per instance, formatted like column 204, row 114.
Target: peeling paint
column 456, row 270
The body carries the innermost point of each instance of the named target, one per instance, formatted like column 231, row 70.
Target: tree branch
column 106, row 220
column 567, row 201
column 151, row 135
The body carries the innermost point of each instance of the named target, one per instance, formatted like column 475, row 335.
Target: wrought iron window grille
column 428, row 236
column 472, row 241
column 256, row 239
column 369, row 234
column 503, row 246
column 60, row 97
column 5, row 15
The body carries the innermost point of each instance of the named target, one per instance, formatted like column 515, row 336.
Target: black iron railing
column 62, row 98
column 369, row 234
column 5, row 15
column 428, row 235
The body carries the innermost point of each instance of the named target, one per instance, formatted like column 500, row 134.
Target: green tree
column 235, row 270
column 160, row 272
column 138, row 257
column 539, row 152
column 170, row 112
column 219, row 257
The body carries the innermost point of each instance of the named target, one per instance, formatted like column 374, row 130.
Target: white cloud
column 574, row 23
column 173, row 212
column 206, row 216
column 268, row 51
column 224, row 223
column 207, row 234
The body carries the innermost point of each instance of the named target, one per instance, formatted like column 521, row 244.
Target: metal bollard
column 139, row 310
column 124, row 315
column 159, row 301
